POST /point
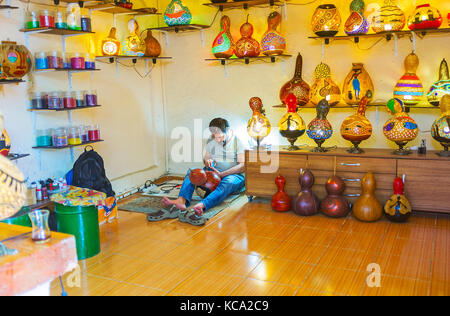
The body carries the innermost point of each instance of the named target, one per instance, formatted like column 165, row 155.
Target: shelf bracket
column 226, row 70
column 285, row 11
column 117, row 69
column 377, row 116
column 356, row 39
column 56, row 2
column 202, row 34
column 395, row 45
column 284, row 67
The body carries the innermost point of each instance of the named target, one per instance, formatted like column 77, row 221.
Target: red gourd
column 281, row 201
column 335, row 204
column 208, row 180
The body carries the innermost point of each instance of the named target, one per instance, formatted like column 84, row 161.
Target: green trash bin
column 20, row 218
column 82, row 222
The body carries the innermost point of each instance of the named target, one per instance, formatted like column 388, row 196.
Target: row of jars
column 57, row 100
column 59, row 60
column 67, row 136
column 58, row 19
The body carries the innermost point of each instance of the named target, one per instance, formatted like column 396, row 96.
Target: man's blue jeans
column 229, row 184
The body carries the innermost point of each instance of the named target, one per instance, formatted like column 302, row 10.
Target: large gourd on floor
column 281, row 201
column 247, row 46
column 335, row 204
column 441, row 127
column 324, row 87
column 177, row 14
column 273, row 43
column 440, row 87
column 296, row 85
column 409, row 88
column 223, row 45
column 306, row 203
column 357, row 128
column 357, row 85
column 291, row 125
column 367, row 208
column 320, row 129
column 207, row 180
column 398, row 209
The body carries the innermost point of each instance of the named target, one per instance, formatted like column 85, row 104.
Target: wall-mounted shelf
column 7, row 7
column 115, row 9
column 70, row 146
column 54, row 31
column 65, row 110
column 64, row 70
column 425, row 106
column 181, row 28
column 246, row 4
column 11, row 81
column 247, row 60
column 134, row 59
column 13, row 157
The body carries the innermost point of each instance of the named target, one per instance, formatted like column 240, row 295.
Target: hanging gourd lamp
column 291, row 124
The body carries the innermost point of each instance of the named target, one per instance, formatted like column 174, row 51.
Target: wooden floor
column 250, row 250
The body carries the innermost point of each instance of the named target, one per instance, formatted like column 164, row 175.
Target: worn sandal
column 192, row 218
column 165, row 213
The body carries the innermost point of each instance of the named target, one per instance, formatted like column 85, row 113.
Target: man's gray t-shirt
column 225, row 156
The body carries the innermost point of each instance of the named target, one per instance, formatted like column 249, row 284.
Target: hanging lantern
column 110, row 45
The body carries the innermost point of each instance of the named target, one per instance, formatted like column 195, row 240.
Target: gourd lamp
column 12, row 192
column 110, row 45
column 291, row 124
column 441, row 127
column 258, row 126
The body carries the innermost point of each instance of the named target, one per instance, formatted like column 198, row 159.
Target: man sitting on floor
column 224, row 155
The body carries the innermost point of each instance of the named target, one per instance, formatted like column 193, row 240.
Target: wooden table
column 36, row 265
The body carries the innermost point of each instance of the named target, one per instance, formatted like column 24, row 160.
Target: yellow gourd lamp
column 291, row 124
column 258, row 126
column 110, row 45
column 441, row 127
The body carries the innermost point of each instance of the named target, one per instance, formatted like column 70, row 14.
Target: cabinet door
column 427, row 184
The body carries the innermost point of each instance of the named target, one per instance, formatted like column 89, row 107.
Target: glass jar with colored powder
column 55, row 101
column 89, row 61
column 32, row 20
column 79, row 98
column 59, row 137
column 36, row 100
column 91, row 98
column 86, row 23
column 77, row 61
column 41, row 61
column 73, row 17
column 69, row 100
column 44, row 138
column 47, row 18
column 94, row 133
column 60, row 20
column 74, row 137
column 55, row 60
column 66, row 61
column 84, row 133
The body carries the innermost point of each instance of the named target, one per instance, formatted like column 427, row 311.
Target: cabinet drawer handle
column 350, row 164
column 352, row 195
column 351, row 180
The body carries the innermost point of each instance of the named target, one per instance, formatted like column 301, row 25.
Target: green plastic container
column 20, row 218
column 82, row 222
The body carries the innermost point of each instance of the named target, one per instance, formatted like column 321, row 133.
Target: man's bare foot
column 180, row 203
column 198, row 209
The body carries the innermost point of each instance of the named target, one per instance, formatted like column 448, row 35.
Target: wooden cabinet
column 427, row 176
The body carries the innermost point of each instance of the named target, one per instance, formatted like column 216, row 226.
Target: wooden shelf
column 65, row 110
column 387, row 35
column 10, row 81
column 246, row 4
column 7, row 7
column 181, row 28
column 54, row 31
column 115, row 9
column 13, row 157
column 112, row 59
column 425, row 106
column 64, row 70
column 247, row 60
column 69, row 146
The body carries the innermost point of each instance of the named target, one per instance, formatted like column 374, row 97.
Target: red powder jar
column 94, row 133
column 69, row 101
column 46, row 19
column 77, row 61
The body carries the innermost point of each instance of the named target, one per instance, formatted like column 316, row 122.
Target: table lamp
column 258, row 126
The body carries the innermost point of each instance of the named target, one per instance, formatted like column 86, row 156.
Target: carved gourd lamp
column 247, row 46
column 152, row 46
column 320, row 128
column 357, row 128
column 388, row 18
column 400, row 129
column 110, row 45
column 409, row 88
column 440, row 87
column 177, row 14
column 398, row 209
column 273, row 43
column 258, row 126
column 440, row 130
column 15, row 61
column 425, row 17
column 291, row 124
column 281, row 201
column 133, row 45
column 223, row 46
column 324, row 87
column 357, row 85
column 356, row 23
column 296, row 85
column 326, row 20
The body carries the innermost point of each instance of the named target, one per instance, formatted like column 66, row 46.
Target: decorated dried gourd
column 440, row 87
column 281, row 201
column 335, row 204
column 258, row 126
column 247, row 46
column 15, row 61
column 152, row 46
column 320, row 128
column 388, row 18
column 177, row 14
column 133, row 44
column 324, row 87
column 441, row 127
column 425, row 17
column 291, row 125
column 400, row 129
column 409, row 88
column 326, row 20
column 357, row 85
column 398, row 209
column 306, row 203
column 273, row 43
column 356, row 22
column 110, row 45
column 357, row 128
column 296, row 85
column 223, row 46
column 367, row 208
column 205, row 179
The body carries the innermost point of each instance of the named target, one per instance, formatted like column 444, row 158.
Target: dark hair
column 220, row 123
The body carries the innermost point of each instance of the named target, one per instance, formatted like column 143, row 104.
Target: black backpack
column 89, row 172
